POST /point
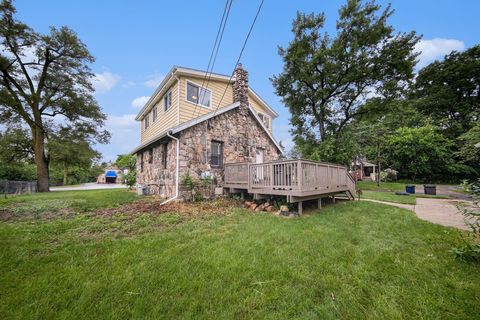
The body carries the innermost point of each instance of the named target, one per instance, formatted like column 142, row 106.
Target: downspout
column 177, row 169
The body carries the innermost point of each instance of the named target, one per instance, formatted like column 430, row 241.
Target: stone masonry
column 238, row 131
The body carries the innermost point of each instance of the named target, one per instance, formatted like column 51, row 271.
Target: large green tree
column 69, row 150
column 43, row 76
column 326, row 79
column 420, row 153
column 448, row 92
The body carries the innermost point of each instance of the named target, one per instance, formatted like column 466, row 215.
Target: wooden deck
column 298, row 180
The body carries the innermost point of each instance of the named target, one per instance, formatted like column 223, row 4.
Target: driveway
column 439, row 211
column 89, row 186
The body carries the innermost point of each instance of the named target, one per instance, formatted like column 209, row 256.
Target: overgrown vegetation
column 199, row 188
column 470, row 249
column 137, row 261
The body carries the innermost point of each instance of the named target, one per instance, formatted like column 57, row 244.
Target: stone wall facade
column 238, row 131
column 152, row 172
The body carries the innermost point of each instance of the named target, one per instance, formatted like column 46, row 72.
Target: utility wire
column 241, row 52
column 214, row 53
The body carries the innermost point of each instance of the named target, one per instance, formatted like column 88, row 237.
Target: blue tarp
column 111, row 174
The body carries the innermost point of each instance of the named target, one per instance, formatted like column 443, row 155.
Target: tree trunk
column 65, row 174
column 41, row 160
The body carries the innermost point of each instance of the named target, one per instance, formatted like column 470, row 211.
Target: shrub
column 471, row 247
column 389, row 175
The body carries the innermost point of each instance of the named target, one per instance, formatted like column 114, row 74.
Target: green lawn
column 384, row 186
column 388, row 196
column 350, row 260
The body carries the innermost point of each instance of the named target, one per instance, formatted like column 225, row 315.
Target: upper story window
column 216, row 156
column 167, row 101
column 198, row 95
column 265, row 119
column 146, row 121
column 154, row 113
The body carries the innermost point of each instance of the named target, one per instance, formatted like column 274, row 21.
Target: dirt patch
column 153, row 206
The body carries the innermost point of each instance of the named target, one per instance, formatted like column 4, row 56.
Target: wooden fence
column 17, row 187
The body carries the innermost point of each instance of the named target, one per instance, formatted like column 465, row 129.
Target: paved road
column 89, row 186
column 439, row 211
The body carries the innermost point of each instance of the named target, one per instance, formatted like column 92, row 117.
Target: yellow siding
column 183, row 110
column 189, row 110
column 259, row 108
column 164, row 119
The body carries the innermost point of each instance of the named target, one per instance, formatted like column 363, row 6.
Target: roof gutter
column 177, row 169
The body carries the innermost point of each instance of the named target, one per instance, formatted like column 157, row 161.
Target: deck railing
column 294, row 175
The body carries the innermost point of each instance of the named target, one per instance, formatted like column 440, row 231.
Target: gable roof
column 177, row 70
column 205, row 117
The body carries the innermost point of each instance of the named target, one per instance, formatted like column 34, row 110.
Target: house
column 112, row 174
column 364, row 170
column 192, row 126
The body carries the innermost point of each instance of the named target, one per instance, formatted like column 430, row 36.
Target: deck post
column 300, row 208
column 333, row 199
column 319, row 203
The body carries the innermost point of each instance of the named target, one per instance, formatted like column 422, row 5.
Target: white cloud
column 125, row 132
column 128, row 84
column 154, row 81
column 105, row 81
column 140, row 102
column 437, row 48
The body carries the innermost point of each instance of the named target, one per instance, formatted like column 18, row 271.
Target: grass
column 388, row 196
column 350, row 260
column 384, row 186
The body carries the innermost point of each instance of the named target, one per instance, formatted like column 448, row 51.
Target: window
column 154, row 114
column 216, row 157
column 150, row 155
column 141, row 162
column 145, row 121
column 164, row 155
column 265, row 119
column 198, row 95
column 167, row 101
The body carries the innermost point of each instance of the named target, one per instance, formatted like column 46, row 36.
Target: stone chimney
column 240, row 87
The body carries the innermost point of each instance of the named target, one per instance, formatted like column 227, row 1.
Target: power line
column 216, row 46
column 241, row 52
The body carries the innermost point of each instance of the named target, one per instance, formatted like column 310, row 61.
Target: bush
column 389, row 175
column 471, row 247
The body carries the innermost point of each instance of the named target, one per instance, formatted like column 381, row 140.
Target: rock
column 277, row 213
column 269, row 208
column 253, row 206
column 247, row 204
column 266, row 204
column 260, row 207
column 284, row 208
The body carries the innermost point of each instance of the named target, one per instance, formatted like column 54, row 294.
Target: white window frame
column 146, row 121
column 199, row 87
column 168, row 96
column 154, row 113
column 263, row 117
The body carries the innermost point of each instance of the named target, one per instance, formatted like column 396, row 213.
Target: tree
column 448, row 91
column 419, row 153
column 128, row 161
column 325, row 80
column 42, row 77
column 70, row 149
column 469, row 152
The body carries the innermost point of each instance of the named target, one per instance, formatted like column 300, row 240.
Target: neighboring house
column 189, row 127
column 112, row 174
column 364, row 170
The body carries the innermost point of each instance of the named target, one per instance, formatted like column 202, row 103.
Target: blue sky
column 137, row 42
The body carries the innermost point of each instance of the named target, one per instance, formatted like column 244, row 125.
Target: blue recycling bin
column 410, row 189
